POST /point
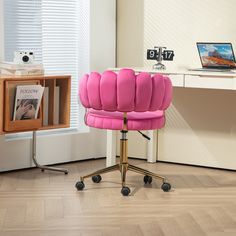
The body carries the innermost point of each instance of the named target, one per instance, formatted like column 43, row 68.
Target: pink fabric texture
column 135, row 120
column 140, row 95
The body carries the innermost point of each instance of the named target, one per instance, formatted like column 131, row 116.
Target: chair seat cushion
column 114, row 120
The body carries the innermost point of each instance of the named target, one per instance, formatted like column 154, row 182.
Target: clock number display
column 152, row 54
column 168, row 55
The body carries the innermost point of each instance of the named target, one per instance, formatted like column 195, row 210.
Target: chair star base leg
column 102, row 171
column 145, row 172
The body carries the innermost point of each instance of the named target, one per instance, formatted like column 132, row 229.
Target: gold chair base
column 123, row 167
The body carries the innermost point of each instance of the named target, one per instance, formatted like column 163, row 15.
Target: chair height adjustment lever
column 144, row 135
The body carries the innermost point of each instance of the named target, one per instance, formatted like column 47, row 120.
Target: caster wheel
column 125, row 191
column 66, row 173
column 42, row 170
column 166, row 187
column 96, row 178
column 80, row 185
column 147, row 179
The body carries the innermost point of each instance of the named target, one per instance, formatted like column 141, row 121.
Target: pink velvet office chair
column 125, row 101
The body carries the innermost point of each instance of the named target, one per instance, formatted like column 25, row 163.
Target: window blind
column 49, row 28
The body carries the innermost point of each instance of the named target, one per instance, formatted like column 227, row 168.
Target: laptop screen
column 216, row 55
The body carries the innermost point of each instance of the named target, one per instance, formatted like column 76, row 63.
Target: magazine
column 11, row 68
column 27, row 102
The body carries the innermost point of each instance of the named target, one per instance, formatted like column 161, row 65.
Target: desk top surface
column 182, row 72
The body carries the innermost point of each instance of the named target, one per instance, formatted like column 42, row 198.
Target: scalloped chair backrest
column 125, row 91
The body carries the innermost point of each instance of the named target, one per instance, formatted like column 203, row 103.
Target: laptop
column 216, row 57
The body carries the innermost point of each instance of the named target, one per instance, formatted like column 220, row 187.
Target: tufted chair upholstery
column 125, row 101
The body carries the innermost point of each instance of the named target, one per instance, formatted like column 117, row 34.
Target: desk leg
column 152, row 146
column 34, row 155
column 111, row 148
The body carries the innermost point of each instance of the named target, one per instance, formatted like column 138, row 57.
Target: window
column 51, row 29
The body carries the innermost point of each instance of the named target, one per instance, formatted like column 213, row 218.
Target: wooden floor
column 201, row 202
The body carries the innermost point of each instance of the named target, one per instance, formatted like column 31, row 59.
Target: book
column 11, row 68
column 29, row 72
column 45, row 105
column 56, row 105
column 27, row 102
column 22, row 72
column 15, row 66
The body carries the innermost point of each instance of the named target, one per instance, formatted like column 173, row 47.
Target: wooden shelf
column 54, row 110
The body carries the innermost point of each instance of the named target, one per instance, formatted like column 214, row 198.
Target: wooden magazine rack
column 8, row 86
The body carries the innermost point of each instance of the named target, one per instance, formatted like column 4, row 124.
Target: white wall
column 56, row 149
column 102, row 34
column 179, row 24
column 200, row 127
column 130, row 33
column 52, row 149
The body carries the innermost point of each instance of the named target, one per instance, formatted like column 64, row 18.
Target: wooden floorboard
column 202, row 202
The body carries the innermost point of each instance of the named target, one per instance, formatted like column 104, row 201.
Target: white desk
column 196, row 79
column 180, row 79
